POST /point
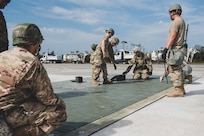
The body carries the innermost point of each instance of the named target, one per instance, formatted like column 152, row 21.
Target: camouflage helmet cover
column 93, row 47
column 176, row 7
column 27, row 34
column 110, row 30
column 187, row 69
column 137, row 49
column 115, row 40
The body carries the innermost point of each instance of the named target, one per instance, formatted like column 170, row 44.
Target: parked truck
column 123, row 56
column 73, row 58
column 156, row 55
column 47, row 58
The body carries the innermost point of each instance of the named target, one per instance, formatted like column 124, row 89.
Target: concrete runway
column 158, row 115
column 69, row 71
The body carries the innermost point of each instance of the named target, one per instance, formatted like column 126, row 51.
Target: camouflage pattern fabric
column 177, row 75
column 92, row 57
column 26, row 95
column 140, row 74
column 3, row 34
column 97, row 60
column 99, row 64
column 4, row 128
column 175, row 72
column 111, row 53
column 143, row 65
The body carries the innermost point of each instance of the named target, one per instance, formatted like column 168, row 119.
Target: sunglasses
column 110, row 33
column 114, row 44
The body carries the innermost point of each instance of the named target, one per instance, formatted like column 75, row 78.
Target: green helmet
column 26, row 34
column 110, row 30
column 115, row 40
column 7, row 1
column 93, row 47
column 176, row 7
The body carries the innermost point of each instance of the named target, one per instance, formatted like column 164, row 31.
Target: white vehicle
column 190, row 54
column 50, row 58
column 123, row 56
column 73, row 58
column 157, row 55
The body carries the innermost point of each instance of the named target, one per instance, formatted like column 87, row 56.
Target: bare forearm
column 170, row 40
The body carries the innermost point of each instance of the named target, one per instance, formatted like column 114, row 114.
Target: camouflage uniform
column 3, row 33
column 111, row 52
column 175, row 50
column 186, row 72
column 98, row 61
column 93, row 47
column 143, row 66
column 27, row 100
column 175, row 71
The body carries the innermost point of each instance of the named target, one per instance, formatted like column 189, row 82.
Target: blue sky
column 71, row 25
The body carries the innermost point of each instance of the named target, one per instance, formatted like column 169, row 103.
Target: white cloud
column 67, row 40
column 86, row 16
column 89, row 2
column 75, row 25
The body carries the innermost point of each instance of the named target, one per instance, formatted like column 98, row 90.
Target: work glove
column 107, row 59
column 185, row 45
column 164, row 53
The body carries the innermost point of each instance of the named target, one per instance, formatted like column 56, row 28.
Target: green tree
column 199, row 57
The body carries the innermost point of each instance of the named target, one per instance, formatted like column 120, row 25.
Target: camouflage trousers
column 35, row 119
column 177, row 75
column 140, row 74
column 96, row 70
column 98, row 65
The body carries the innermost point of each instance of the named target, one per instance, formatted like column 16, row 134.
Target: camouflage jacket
column 96, row 56
column 141, row 63
column 3, row 31
column 22, row 79
column 104, row 46
column 111, row 53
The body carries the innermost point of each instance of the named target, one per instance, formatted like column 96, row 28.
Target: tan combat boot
column 95, row 82
column 177, row 92
column 183, row 89
column 190, row 80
